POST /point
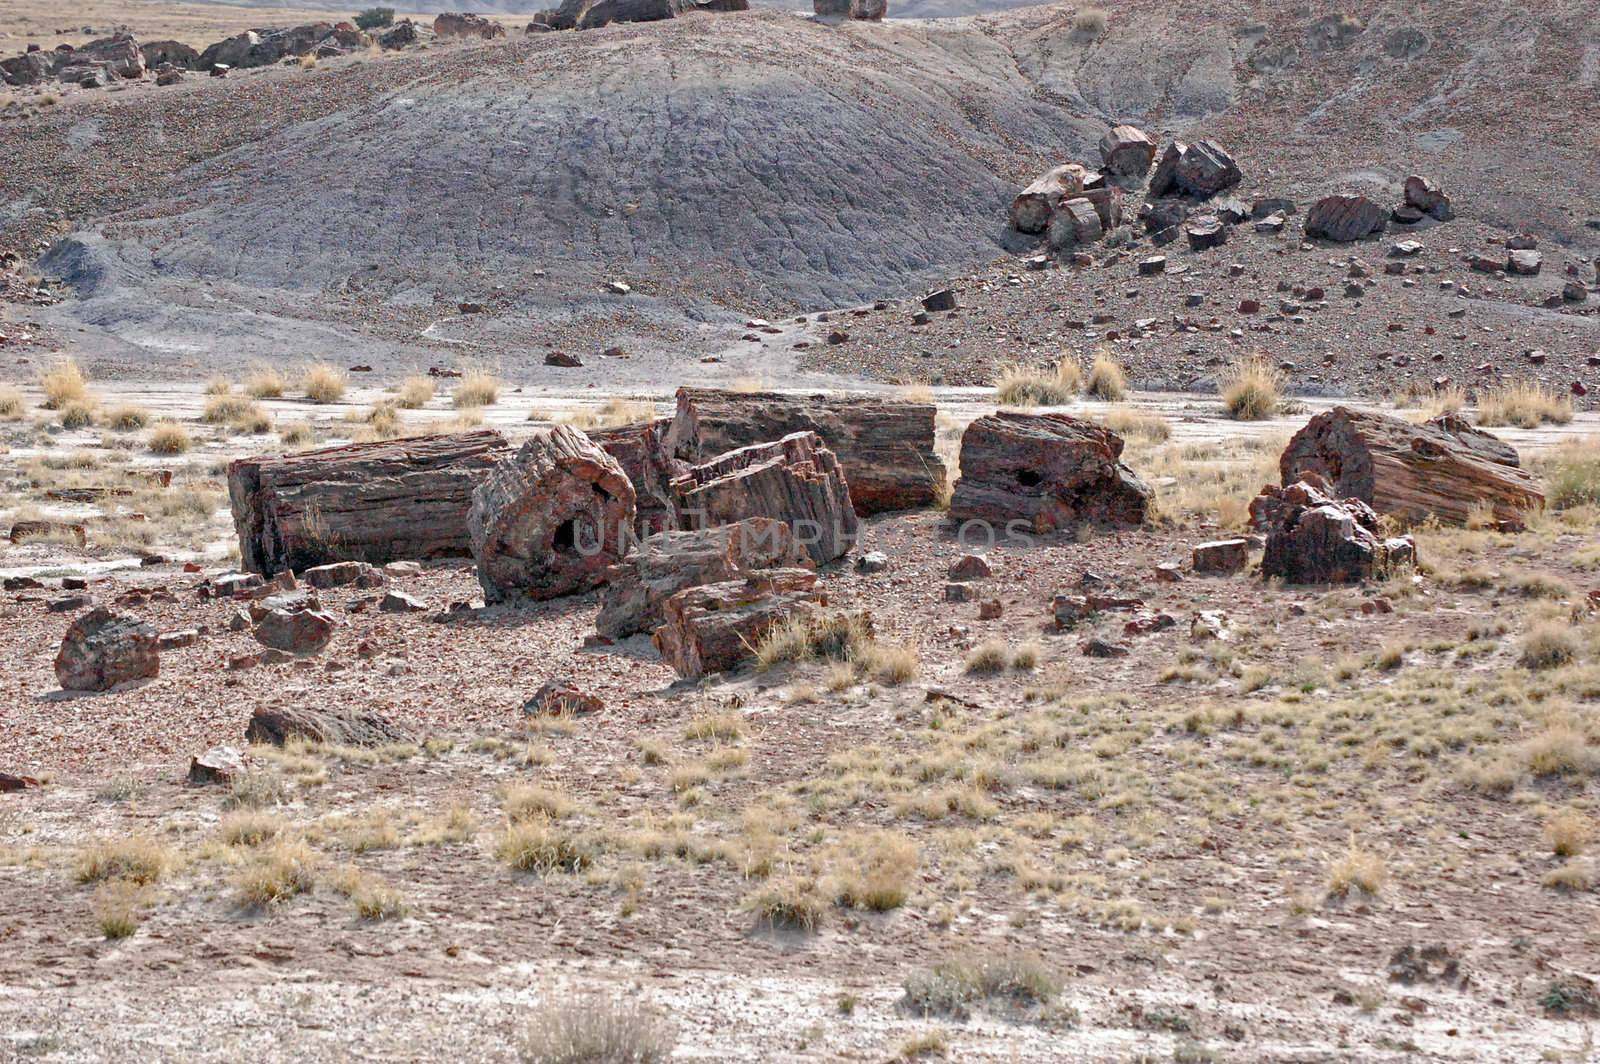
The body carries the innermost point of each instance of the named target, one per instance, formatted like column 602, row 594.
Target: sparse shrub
column 383, row 421
column 250, row 827
column 135, row 858
column 117, row 908
column 374, row 18
column 1572, row 474
column 78, row 414
column 523, row 802
column 1572, row 876
column 888, row 665
column 127, row 418
column 1549, row 645
column 596, row 1030
column 218, row 385
column 879, row 870
column 1034, row 386
column 1562, row 749
column 1356, row 870
column 415, row 391
column 792, row 903
column 1525, row 404
column 296, row 434
column 1091, row 21
column 539, row 846
column 1147, row 427
column 954, row 986
column 989, row 656
column 12, row 404
column 253, row 420
column 324, row 382
column 287, row 869
column 169, row 437
column 64, row 382
column 1250, row 389
column 223, row 407
column 834, row 636
column 1567, row 832
column 477, row 388
column 1107, row 380
column 1026, row 657
column 264, row 382
column 724, row 726
column 372, row 897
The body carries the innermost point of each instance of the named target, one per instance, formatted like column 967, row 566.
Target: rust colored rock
column 465, row 24
column 1127, row 151
column 716, row 627
column 102, row 649
column 1205, row 168
column 1222, row 556
column 1444, row 469
column 638, row 587
column 26, row 530
column 1034, row 206
column 1164, row 180
column 10, row 784
column 1313, row 538
column 1345, row 219
column 278, row 724
column 1047, row 471
column 218, row 765
column 549, row 520
column 1075, row 222
column 561, row 698
column 295, row 631
column 795, row 480
column 886, row 446
column 1428, row 198
column 335, row 574
column 970, row 567
column 372, row 502
column 650, row 468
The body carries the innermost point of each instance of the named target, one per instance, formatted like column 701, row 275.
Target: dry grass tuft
column 64, row 382
column 595, row 1030
column 251, row 827
column 12, row 404
column 324, row 382
column 118, row 908
column 289, row 868
column 1150, row 428
column 136, row 858
column 1035, row 386
column 1107, row 381
column 835, row 637
column 415, row 391
column 1091, row 21
column 1250, row 389
column 297, row 434
column 1356, row 870
column 793, row 903
column 1548, row 645
column 524, row 802
column 223, row 407
column 265, row 382
column 539, row 846
column 951, row 988
column 1567, row 832
column 127, row 418
column 169, row 437
column 1572, row 474
column 1525, row 404
column 78, row 414
column 477, row 388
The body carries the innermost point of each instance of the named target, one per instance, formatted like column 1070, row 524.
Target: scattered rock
column 714, row 628
column 874, row 561
column 1035, row 205
column 1425, row 196
column 220, row 765
column 1345, row 218
column 102, row 649
column 276, row 725
column 970, row 567
column 400, row 602
column 295, row 631
column 1313, row 538
column 561, row 698
column 466, row 24
column 1127, row 151
column 1225, row 556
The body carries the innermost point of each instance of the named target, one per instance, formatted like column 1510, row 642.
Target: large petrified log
column 371, row 502
column 637, row 587
column 795, row 480
column 1031, row 210
column 1345, row 219
column 1047, row 470
column 1313, row 538
column 1444, row 469
column 644, row 458
column 550, row 519
column 884, row 445
column 717, row 627
column 102, row 649
column 1127, row 151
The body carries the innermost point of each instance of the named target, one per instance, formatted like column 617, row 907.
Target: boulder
column 1164, row 179
column 1425, row 196
column 1161, row 220
column 1314, row 538
column 550, row 519
column 276, row 725
column 1075, row 222
column 970, row 567
column 22, row 531
column 1205, row 168
column 1205, row 233
column 592, row 14
column 716, row 627
column 218, row 765
column 1107, row 203
column 1445, row 469
column 402, row 34
column 863, row 10
column 400, row 602
column 561, row 698
column 1222, row 556
column 175, row 54
column 1127, row 151
column 335, row 574
column 636, row 589
column 1524, row 263
column 28, row 69
column 1034, row 206
column 102, row 649
column 1047, row 471
column 795, row 480
column 466, row 24
column 295, row 630
column 118, row 55
column 1345, row 218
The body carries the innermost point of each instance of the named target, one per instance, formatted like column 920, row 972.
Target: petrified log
column 1127, row 150
column 278, row 724
column 1031, row 210
column 717, row 627
column 102, row 649
column 1429, row 198
column 1345, row 218
column 1443, row 469
column 1046, row 470
column 795, row 480
column 25, row 530
column 1075, row 222
column 661, row 566
column 884, row 445
column 1313, row 538
column 1205, row 168
column 372, row 502
column 650, row 468
column 550, row 519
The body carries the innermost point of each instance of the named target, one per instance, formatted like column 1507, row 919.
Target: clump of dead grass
column 953, row 987
column 135, row 858
column 64, row 382
column 1356, row 870
column 589, row 1029
column 12, row 403
column 537, row 845
column 415, row 391
column 170, row 438
column 1524, row 404
column 287, row 869
column 1039, row 386
column 477, row 388
column 1548, row 645
column 265, row 382
column 1107, row 380
column 118, row 908
column 1250, row 389
column 324, row 382
column 127, row 418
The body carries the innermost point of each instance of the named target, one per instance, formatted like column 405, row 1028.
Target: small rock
column 970, row 567
column 400, row 602
column 1221, row 556
column 872, row 562
column 218, row 765
column 102, row 649
column 561, row 697
column 990, row 610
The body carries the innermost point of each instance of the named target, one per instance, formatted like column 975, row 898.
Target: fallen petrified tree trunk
column 884, row 445
column 371, row 502
column 717, row 627
column 1032, row 209
column 278, row 724
column 668, row 562
column 795, row 480
column 644, row 458
column 550, row 519
column 1313, row 538
column 1444, row 469
column 1046, row 470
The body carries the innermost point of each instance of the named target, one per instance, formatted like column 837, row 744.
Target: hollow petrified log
column 1046, row 470
column 278, row 724
column 884, row 445
column 1443, row 469
column 644, row 458
column 717, row 627
column 668, row 562
column 371, row 502
column 1313, row 538
column 1031, row 210
column 550, row 519
column 795, row 480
